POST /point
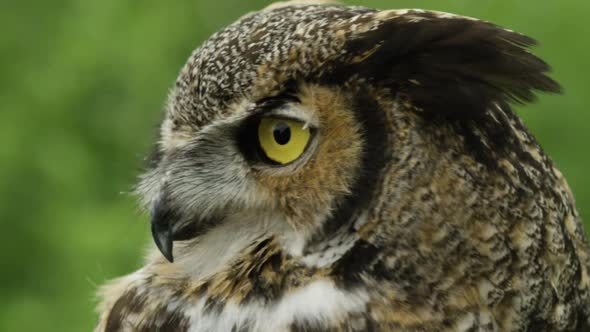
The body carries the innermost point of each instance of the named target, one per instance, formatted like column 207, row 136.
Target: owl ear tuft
column 447, row 64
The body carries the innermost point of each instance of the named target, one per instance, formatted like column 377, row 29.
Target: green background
column 82, row 85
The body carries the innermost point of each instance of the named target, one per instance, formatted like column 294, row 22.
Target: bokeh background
column 82, row 85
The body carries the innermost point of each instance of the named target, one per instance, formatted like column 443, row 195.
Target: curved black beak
column 162, row 230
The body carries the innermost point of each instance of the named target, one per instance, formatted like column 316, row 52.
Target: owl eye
column 282, row 140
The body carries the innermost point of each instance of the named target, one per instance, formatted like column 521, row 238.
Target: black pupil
column 282, row 133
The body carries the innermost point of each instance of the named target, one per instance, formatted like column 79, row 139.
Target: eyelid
column 292, row 112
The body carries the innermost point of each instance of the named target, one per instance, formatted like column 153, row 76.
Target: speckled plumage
column 422, row 204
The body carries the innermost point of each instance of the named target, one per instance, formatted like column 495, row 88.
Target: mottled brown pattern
column 424, row 205
column 131, row 312
column 263, row 273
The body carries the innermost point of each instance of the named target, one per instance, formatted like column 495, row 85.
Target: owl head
column 289, row 121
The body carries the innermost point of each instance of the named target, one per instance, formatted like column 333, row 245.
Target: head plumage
column 443, row 63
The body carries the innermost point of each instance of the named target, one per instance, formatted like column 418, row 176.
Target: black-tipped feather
column 449, row 64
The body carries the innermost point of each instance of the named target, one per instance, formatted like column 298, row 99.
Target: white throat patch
column 318, row 303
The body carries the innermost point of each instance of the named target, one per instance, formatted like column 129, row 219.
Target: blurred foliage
column 82, row 86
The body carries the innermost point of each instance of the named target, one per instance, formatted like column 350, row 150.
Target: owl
column 329, row 168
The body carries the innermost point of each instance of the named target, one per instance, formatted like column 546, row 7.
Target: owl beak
column 162, row 230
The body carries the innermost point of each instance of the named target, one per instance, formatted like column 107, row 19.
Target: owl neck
column 220, row 247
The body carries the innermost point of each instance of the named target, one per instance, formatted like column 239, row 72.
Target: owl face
column 291, row 157
column 282, row 122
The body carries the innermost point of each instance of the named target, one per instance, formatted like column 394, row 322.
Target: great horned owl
column 332, row 168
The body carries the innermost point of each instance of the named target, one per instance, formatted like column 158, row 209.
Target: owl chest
column 319, row 304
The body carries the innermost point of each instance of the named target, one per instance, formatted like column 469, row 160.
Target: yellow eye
column 282, row 140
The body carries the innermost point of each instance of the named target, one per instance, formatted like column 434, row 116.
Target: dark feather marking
column 131, row 303
column 452, row 66
column 373, row 160
column 164, row 320
column 268, row 259
column 127, row 304
column 262, row 245
column 583, row 321
column 374, row 157
column 213, row 306
column 264, row 289
column 355, row 261
column 306, row 326
column 243, row 327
